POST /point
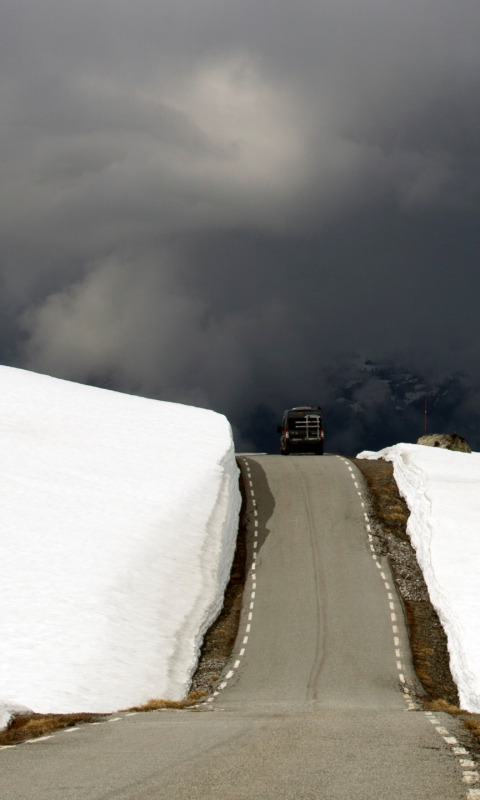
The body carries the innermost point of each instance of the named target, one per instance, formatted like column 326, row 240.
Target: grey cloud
column 211, row 202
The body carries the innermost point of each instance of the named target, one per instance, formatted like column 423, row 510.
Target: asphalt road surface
column 318, row 701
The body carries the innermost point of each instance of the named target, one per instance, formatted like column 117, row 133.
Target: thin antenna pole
column 426, row 415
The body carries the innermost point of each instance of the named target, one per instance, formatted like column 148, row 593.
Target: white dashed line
column 40, row 739
column 393, row 617
column 251, row 606
column 241, row 654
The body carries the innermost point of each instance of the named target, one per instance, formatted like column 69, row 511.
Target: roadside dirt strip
column 320, row 698
column 470, row 774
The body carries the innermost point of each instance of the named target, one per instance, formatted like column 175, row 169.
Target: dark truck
column 302, row 431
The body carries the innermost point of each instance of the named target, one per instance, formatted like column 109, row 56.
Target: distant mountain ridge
column 383, row 403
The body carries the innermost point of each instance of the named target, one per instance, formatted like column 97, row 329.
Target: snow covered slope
column 442, row 490
column 117, row 532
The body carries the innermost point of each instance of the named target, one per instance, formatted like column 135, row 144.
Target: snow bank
column 117, row 533
column 442, row 490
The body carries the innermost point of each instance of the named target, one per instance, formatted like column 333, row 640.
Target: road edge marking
column 468, row 766
column 249, row 601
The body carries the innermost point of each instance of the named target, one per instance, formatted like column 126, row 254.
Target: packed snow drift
column 117, row 532
column 442, row 491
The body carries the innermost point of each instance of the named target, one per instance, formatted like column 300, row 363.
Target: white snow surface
column 442, row 490
column 118, row 524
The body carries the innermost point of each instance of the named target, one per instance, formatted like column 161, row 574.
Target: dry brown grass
column 24, row 727
column 159, row 705
column 389, row 508
column 470, row 721
column 31, row 726
column 429, row 651
column 443, row 707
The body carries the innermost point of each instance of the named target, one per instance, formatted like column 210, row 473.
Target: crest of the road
column 318, row 702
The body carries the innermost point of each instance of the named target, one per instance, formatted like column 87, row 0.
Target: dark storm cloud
column 212, row 202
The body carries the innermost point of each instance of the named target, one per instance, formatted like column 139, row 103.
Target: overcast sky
column 216, row 202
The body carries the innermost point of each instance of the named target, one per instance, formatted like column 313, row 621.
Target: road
column 316, row 702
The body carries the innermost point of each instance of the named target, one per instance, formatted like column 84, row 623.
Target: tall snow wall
column 117, row 533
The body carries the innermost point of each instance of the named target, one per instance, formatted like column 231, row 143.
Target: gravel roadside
column 389, row 513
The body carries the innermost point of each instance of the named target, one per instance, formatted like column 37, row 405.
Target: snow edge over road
column 215, row 561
